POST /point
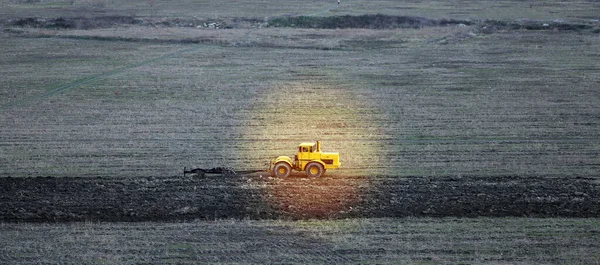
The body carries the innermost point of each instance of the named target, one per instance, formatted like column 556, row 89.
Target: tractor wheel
column 282, row 170
column 314, row 170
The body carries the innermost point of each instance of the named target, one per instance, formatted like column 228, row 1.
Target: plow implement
column 309, row 159
column 225, row 171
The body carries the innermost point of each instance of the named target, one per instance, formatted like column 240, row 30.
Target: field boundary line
column 89, row 79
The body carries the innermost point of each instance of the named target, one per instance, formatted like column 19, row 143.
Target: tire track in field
column 89, row 79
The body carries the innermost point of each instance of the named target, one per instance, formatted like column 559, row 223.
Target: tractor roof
column 306, row 144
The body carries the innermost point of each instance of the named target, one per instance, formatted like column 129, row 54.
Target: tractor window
column 305, row 149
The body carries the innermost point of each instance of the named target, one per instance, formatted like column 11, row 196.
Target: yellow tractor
column 309, row 158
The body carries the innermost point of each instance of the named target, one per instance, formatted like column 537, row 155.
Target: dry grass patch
column 362, row 241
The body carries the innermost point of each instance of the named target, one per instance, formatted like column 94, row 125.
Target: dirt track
column 44, row 199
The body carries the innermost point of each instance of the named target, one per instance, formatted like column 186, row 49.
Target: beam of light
column 285, row 115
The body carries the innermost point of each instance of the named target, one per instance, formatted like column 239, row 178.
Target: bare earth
column 256, row 197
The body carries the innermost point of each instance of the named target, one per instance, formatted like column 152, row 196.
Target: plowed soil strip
column 42, row 199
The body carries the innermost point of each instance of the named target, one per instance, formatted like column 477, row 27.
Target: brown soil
column 42, row 199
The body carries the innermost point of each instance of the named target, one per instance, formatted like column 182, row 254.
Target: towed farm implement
column 309, row 159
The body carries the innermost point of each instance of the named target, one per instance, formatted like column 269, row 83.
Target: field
column 354, row 241
column 468, row 131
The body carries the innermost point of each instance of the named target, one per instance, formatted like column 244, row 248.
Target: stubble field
column 493, row 117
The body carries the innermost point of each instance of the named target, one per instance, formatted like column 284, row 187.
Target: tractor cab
column 307, row 151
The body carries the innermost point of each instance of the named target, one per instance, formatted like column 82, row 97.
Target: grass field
column 473, row 9
column 507, row 92
column 434, row 101
column 355, row 241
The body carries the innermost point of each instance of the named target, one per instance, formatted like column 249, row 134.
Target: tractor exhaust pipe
column 318, row 146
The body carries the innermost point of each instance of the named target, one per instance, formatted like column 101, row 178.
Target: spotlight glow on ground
column 291, row 113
